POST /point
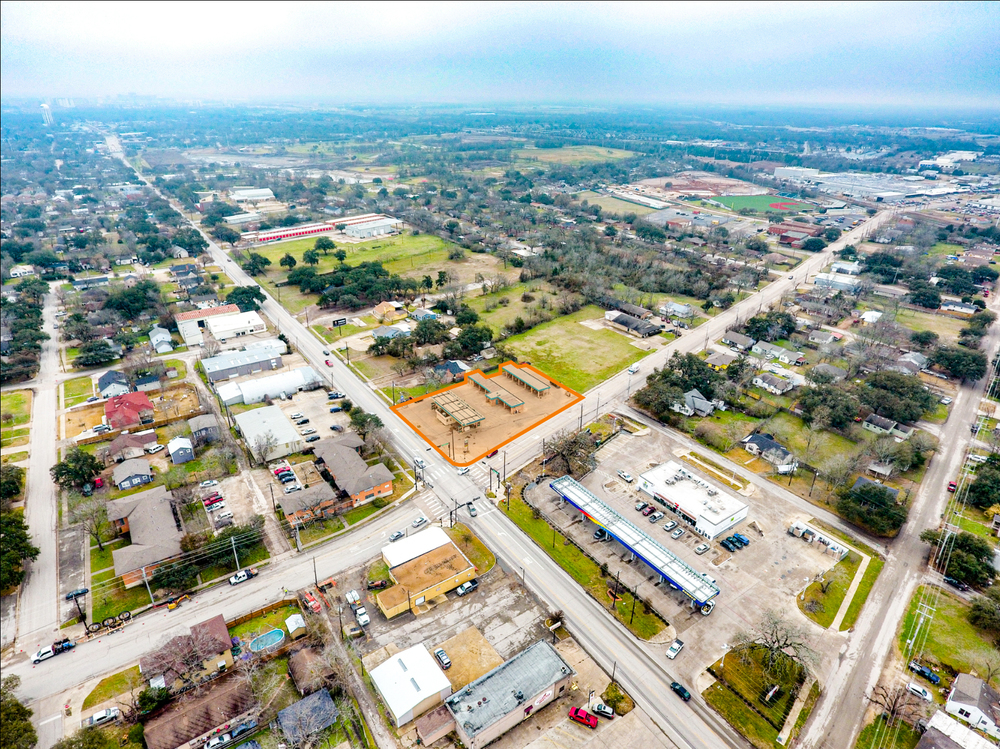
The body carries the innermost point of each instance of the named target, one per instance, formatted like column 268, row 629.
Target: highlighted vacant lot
column 763, row 203
column 465, row 421
column 572, row 154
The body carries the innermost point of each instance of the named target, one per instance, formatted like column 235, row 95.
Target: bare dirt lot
column 498, row 426
column 177, row 401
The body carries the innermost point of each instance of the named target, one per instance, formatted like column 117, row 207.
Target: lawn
column 748, row 679
column 111, row 686
column 875, row 736
column 195, row 517
column 757, row 731
column 575, row 355
column 972, row 524
column 179, row 365
column 503, row 315
column 822, row 607
column 581, row 568
column 574, row 155
column 613, row 204
column 379, row 571
column 862, row 593
column 320, row 529
column 794, row 435
column 943, row 249
column 77, row 390
column 110, row 599
column 360, row 513
column 951, row 640
column 17, row 404
column 265, row 623
column 946, row 327
column 481, row 557
column 763, row 203
column 102, row 560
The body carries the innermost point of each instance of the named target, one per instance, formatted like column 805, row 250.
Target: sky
column 662, row 53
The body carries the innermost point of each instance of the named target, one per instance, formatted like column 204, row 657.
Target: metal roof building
column 410, row 683
column 409, row 548
column 670, row 567
column 270, row 419
column 711, row 510
column 255, row 391
column 235, row 363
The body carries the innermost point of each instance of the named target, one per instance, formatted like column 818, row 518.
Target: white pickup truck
column 361, row 614
column 104, row 716
column 243, row 575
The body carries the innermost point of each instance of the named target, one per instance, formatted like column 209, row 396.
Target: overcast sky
column 652, row 53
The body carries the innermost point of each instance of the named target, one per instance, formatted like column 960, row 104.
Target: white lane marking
column 57, row 716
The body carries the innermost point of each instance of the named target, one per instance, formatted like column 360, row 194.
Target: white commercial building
column 407, row 549
column 250, row 194
column 270, row 420
column 231, row 326
column 273, row 386
column 191, row 324
column 794, row 172
column 410, row 683
column 230, row 364
column 374, row 228
column 711, row 510
column 243, row 218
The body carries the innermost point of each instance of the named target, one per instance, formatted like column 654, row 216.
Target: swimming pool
column 267, row 641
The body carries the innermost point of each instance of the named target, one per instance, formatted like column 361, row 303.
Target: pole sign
column 340, row 321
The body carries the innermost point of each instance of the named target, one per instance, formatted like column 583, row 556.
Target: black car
column 300, row 422
column 956, row 583
column 313, row 438
column 735, row 541
column 724, row 543
column 334, row 395
column 680, row 691
column 336, row 427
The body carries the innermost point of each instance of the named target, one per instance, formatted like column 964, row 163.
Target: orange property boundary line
column 465, row 379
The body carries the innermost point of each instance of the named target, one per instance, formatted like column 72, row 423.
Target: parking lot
column 768, row 573
column 315, row 406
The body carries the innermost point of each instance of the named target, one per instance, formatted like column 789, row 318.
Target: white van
column 633, row 369
column 153, row 449
column 226, row 515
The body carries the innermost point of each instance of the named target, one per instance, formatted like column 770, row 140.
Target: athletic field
column 763, row 203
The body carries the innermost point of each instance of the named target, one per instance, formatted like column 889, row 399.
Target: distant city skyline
column 855, row 54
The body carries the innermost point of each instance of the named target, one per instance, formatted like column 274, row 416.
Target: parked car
column 724, row 543
column 93, row 399
column 314, row 438
column 922, row 692
column 220, row 505
column 395, row 536
column 102, row 717
column 701, row 548
column 952, row 486
column 626, row 477
column 649, row 511
column 443, row 658
column 677, row 534
column 708, row 608
column 639, row 506
column 419, row 522
column 670, row 525
column 300, row 422
column 243, row 575
column 153, row 449
column 219, row 741
column 604, row 711
column 656, row 517
column 742, row 539
column 243, row 728
column 335, row 395
column 467, row 587
column 600, row 534
column 74, row 594
column 680, row 691
column 581, row 716
column 919, row 668
column 336, row 409
column 735, row 542
column 208, row 484
column 336, row 428
column 957, row 583
column 295, row 416
column 292, row 488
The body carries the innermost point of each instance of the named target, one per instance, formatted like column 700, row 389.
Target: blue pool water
column 267, row 640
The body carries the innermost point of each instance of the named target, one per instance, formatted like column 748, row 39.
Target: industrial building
column 509, row 694
column 838, row 282
column 410, row 683
column 191, row 324
column 709, row 509
column 250, row 194
column 663, row 562
column 269, row 420
column 274, row 386
column 239, row 363
column 223, row 327
column 424, row 566
column 243, row 218
column 287, row 232
column 376, row 227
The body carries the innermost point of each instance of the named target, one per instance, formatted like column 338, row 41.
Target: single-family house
column 353, row 476
column 123, row 411
column 313, row 502
column 694, row 404
column 181, row 450
column 302, row 720
column 772, row 383
column 959, row 309
column 154, row 529
column 183, row 269
column 146, row 383
column 828, row 370
column 870, row 317
column 738, row 340
column 177, row 253
column 720, row 361
column 768, row 448
column 673, row 309
column 204, row 429
column 861, row 481
column 851, row 268
column 452, row 370
column 838, row 282
column 160, row 340
column 878, row 424
column 772, row 351
column 190, row 659
column 132, row 473
column 910, row 363
column 822, row 337
column 389, row 312
column 218, row 708
column 423, row 314
column 113, row 383
column 389, row 331
column 128, row 446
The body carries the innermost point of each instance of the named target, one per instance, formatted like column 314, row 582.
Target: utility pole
column 235, row 555
column 315, row 576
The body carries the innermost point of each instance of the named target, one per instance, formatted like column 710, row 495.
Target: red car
column 649, row 511
column 329, row 363
column 952, row 486
column 582, row 716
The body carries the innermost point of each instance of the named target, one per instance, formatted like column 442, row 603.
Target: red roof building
column 128, row 410
column 198, row 314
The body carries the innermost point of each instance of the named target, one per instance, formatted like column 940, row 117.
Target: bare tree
column 91, row 513
column 210, row 347
column 731, row 433
column 263, row 445
column 785, row 643
column 574, row 452
column 892, row 700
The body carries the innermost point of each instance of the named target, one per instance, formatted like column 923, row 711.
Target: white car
column 308, row 431
column 153, row 449
column 674, row 649
column 207, row 484
column 626, row 477
column 43, row 655
column 919, row 691
column 462, row 471
column 419, row 521
column 362, row 616
column 292, row 488
column 216, row 506
column 218, row 741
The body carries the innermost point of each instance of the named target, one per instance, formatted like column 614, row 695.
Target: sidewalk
column 793, row 716
column 849, row 596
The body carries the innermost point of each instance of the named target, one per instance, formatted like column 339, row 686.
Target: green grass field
column 828, row 604
column 763, row 203
column 574, row 155
column 615, row 205
column 574, row 354
column 77, row 390
column 876, row 736
column 861, row 594
column 503, row 315
column 951, row 640
column 17, row 403
column 112, row 686
column 397, row 253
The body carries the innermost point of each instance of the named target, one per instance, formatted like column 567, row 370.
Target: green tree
column 310, row 257
column 430, row 331
column 924, row 338
column 466, row 316
column 926, row 297
column 872, row 506
column 442, row 278
column 16, row 730
column 832, row 234
column 364, row 423
column 841, row 405
column 288, row 261
column 986, row 488
column 324, row 245
column 95, row 353
column 16, row 548
column 426, row 283
column 970, row 559
column 770, row 326
column 896, row 396
column 985, row 611
column 176, row 577
column 11, row 481
column 340, row 255
column 249, row 298
column 76, row 469
column 814, row 244
column 152, row 698
column 474, row 338
column 256, row 264
column 959, row 362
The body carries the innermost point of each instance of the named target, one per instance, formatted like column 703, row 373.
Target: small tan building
column 423, row 566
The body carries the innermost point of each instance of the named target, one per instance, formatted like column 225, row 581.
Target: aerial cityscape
column 525, row 375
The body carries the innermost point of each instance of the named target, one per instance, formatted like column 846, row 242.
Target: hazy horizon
column 912, row 56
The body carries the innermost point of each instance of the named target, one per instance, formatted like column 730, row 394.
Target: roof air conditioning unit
column 712, row 492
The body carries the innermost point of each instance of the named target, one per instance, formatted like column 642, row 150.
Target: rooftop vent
column 712, row 492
